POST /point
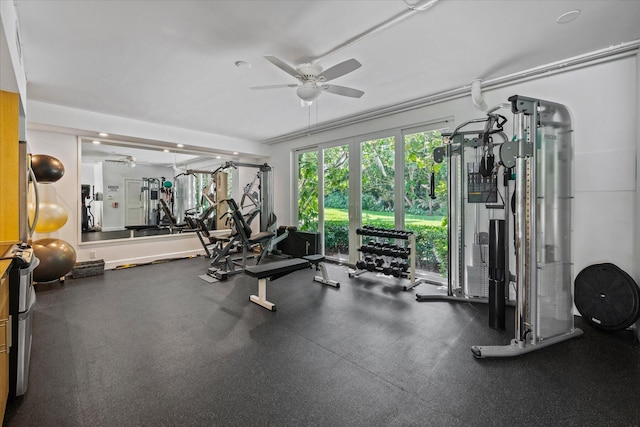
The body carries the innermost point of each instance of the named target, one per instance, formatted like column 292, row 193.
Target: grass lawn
column 332, row 214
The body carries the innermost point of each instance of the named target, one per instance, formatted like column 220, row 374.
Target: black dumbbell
column 379, row 262
column 371, row 266
column 361, row 265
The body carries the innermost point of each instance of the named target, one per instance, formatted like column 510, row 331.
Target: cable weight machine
column 543, row 156
column 538, row 172
column 478, row 215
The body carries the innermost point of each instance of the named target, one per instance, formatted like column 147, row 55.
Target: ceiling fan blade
column 273, row 86
column 344, row 91
column 340, row 70
column 282, row 65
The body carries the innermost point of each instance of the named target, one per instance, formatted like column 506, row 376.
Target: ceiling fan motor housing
column 309, row 71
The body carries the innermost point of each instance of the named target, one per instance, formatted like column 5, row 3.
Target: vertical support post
column 521, row 238
column 220, row 179
column 266, row 192
column 261, row 298
column 532, row 226
column 412, row 259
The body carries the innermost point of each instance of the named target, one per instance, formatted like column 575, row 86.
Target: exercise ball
column 46, row 168
column 56, row 256
column 51, row 217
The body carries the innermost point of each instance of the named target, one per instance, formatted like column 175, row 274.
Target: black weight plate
column 607, row 297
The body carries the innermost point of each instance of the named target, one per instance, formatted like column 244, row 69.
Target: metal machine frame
column 543, row 153
column 465, row 257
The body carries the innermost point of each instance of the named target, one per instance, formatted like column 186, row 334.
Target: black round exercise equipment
column 46, row 168
column 607, row 297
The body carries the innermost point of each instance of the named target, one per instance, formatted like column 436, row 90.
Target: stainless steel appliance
column 22, row 300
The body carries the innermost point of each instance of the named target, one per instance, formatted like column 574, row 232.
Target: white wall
column 637, row 210
column 41, row 113
column 603, row 101
column 12, row 74
column 114, row 176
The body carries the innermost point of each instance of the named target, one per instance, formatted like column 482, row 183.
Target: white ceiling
column 173, row 62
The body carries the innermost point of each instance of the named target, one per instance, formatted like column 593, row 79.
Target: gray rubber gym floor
column 156, row 345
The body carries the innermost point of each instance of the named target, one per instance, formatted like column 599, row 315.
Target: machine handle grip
column 32, row 226
column 432, row 186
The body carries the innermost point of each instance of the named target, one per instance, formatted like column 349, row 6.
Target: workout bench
column 274, row 270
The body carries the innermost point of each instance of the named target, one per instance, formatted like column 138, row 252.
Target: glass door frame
column 355, row 178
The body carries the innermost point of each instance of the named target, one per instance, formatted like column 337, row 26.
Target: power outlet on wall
column 92, row 254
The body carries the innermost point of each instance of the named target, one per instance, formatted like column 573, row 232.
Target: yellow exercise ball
column 51, row 217
column 56, row 256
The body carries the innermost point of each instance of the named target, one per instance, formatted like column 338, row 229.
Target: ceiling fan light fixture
column 309, row 93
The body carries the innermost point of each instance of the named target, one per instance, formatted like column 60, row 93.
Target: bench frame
column 272, row 271
column 277, row 269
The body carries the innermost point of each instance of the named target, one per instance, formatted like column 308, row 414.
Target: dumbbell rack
column 382, row 256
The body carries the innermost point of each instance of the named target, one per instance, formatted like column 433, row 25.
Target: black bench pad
column 277, row 268
column 314, row 259
column 141, row 227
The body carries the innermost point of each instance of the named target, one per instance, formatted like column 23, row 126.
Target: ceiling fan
column 129, row 161
column 312, row 79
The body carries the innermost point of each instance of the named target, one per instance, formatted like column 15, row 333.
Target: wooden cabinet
column 9, row 167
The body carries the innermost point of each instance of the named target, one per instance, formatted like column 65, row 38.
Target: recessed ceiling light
column 568, row 16
column 104, row 135
column 235, row 153
column 180, row 145
column 243, row 65
column 218, row 157
column 96, row 141
column 166, row 151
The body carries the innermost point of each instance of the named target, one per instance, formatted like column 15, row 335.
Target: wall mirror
column 129, row 190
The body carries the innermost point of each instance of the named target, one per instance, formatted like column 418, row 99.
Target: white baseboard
column 110, row 265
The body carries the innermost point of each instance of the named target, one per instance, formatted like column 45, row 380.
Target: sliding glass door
column 425, row 199
column 378, row 182
column 382, row 181
column 335, row 212
column 307, row 169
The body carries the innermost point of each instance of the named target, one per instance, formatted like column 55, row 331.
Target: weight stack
column 496, row 274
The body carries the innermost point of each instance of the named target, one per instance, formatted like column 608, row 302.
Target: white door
column 134, row 207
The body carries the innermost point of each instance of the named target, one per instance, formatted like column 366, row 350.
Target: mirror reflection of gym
column 129, row 191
